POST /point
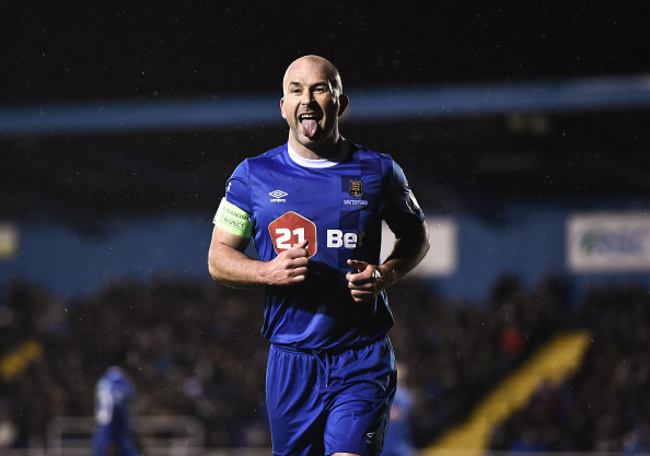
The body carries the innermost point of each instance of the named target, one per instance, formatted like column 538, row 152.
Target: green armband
column 232, row 219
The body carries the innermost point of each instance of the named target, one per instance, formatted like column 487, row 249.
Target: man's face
column 311, row 105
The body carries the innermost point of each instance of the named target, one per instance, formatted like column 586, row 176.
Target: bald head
column 312, row 103
column 327, row 67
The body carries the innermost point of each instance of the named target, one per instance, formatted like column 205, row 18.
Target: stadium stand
column 194, row 350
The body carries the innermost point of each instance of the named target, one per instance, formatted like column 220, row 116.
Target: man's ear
column 343, row 103
column 282, row 108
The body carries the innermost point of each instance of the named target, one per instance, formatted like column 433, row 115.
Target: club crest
column 355, row 188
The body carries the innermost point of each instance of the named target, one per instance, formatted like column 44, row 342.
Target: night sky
column 57, row 51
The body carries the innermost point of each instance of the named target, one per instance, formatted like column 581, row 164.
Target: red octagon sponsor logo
column 290, row 229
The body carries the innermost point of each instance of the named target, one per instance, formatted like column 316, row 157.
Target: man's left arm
column 408, row 251
column 368, row 280
column 406, row 220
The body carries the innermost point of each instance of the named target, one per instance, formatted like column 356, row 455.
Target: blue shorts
column 324, row 402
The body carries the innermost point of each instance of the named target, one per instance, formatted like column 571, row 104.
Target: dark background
column 61, row 53
column 68, row 52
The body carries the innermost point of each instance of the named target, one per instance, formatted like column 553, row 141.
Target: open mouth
column 314, row 117
column 309, row 124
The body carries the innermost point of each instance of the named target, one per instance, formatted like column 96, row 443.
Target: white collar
column 320, row 162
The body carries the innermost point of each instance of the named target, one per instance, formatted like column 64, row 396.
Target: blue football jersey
column 338, row 207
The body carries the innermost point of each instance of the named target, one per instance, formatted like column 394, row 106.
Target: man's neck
column 328, row 150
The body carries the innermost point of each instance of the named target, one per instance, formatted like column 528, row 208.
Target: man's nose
column 307, row 97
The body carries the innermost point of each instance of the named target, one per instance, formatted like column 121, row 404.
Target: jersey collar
column 319, row 163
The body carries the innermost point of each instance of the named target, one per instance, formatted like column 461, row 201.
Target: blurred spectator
column 114, row 432
column 8, row 430
column 399, row 439
column 637, row 441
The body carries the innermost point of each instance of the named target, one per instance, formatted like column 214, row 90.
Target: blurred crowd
column 194, row 348
column 190, row 348
column 603, row 407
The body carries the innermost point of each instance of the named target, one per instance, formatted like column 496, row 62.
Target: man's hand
column 366, row 283
column 289, row 267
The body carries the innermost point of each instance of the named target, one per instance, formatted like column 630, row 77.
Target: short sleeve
column 402, row 210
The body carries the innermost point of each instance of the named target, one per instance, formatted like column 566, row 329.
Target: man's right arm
column 228, row 264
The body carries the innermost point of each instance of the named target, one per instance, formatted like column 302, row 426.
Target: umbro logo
column 277, row 196
column 373, row 439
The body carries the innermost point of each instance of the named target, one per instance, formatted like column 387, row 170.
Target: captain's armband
column 232, row 219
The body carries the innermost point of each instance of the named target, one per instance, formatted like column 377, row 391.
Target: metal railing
column 158, row 436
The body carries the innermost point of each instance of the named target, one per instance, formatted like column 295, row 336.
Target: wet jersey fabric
column 338, row 207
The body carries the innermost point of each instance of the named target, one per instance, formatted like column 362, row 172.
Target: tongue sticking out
column 309, row 127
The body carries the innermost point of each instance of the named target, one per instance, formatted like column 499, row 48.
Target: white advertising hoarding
column 441, row 259
column 607, row 242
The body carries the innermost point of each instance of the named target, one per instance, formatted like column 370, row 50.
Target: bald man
column 314, row 208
